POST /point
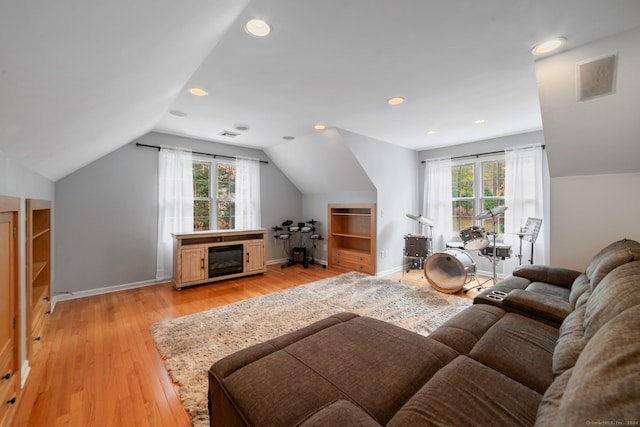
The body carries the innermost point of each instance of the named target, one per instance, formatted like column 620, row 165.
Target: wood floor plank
column 98, row 364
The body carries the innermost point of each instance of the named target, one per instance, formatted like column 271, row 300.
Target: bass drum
column 450, row 270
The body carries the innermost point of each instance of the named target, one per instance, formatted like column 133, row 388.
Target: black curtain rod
column 476, row 155
column 197, row 152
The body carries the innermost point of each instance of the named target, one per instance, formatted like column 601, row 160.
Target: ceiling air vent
column 597, row 77
column 229, row 134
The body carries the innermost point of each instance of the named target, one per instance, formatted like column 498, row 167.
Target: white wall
column 21, row 182
column 589, row 212
column 593, row 150
column 596, row 136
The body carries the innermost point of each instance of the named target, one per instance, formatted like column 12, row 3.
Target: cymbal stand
column 493, row 259
column 520, row 235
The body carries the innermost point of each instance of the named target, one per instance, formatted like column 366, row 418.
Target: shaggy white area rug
column 189, row 345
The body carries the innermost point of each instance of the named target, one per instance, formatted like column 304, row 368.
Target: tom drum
column 450, row 270
column 417, row 246
column 474, row 238
column 502, row 251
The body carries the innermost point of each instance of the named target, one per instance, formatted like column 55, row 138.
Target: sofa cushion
column 550, row 290
column 610, row 257
column 466, row 393
column 339, row 413
column 580, row 288
column 571, row 341
column 463, row 330
column 551, row 400
column 604, row 385
column 619, row 290
column 520, row 348
column 344, row 361
column 557, row 276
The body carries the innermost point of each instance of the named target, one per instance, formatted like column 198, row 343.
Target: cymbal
column 420, row 219
column 523, row 234
column 492, row 212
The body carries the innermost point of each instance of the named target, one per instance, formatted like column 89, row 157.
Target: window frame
column 478, row 194
column 212, row 199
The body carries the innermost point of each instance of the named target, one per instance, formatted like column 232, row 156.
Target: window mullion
column 213, row 197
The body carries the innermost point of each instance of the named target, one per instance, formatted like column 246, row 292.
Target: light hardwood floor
column 98, row 365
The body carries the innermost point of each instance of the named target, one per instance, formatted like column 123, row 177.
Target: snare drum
column 450, row 270
column 502, row 251
column 474, row 238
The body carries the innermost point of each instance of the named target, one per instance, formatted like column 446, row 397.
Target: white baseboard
column 64, row 296
column 26, row 369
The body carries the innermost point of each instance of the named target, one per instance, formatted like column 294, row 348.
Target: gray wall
column 107, row 214
column 343, row 167
column 394, row 172
column 18, row 181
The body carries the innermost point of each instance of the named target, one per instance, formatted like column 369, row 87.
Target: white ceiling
column 80, row 79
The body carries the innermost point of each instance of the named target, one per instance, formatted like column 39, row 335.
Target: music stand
column 532, row 228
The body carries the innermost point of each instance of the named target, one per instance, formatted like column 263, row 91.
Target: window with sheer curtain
column 226, row 194
column 456, row 192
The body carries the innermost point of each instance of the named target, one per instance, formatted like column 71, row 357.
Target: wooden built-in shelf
column 352, row 236
column 38, row 269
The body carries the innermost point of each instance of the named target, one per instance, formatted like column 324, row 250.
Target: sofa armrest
column 540, row 305
column 543, row 273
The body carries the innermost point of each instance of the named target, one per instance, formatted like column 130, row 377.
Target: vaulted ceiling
column 81, row 79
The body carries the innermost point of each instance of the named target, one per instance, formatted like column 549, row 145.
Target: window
column 476, row 187
column 215, row 190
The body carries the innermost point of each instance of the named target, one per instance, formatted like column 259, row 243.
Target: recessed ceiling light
column 479, row 121
column 431, row 132
column 319, row 127
column 198, row 92
column 396, row 100
column 257, row 27
column 242, row 127
column 288, row 138
column 178, row 113
column 548, row 46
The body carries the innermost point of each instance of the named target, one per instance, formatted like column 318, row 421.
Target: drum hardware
column 491, row 213
column 450, row 270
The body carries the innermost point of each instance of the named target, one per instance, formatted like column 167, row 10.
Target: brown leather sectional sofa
column 536, row 361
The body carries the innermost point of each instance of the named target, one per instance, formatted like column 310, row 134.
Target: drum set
column 450, row 270
column 298, row 241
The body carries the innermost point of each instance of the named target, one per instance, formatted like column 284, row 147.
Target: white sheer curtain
column 247, row 193
column 175, row 204
column 437, row 200
column 525, row 197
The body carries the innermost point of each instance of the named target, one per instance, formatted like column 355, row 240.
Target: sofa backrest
column 596, row 361
column 610, row 257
